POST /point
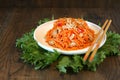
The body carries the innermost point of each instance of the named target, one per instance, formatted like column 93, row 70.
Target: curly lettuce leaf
column 40, row 58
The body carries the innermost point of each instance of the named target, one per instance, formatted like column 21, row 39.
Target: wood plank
column 61, row 3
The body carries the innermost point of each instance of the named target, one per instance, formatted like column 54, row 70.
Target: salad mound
column 70, row 34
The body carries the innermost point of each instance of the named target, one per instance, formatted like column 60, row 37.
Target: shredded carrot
column 70, row 34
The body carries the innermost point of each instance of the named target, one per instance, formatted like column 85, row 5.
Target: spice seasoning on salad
column 70, row 34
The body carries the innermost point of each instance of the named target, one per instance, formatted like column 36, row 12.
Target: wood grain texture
column 14, row 22
column 61, row 3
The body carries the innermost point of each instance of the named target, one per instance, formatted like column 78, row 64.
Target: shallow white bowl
column 41, row 30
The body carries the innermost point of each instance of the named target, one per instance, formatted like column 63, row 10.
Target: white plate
column 40, row 32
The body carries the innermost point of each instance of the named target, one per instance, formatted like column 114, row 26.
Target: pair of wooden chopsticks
column 97, row 41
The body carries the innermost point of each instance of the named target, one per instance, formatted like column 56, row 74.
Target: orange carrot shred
column 70, row 34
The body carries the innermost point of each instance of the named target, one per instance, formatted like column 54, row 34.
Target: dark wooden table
column 14, row 22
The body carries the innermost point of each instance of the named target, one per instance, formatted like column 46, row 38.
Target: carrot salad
column 70, row 34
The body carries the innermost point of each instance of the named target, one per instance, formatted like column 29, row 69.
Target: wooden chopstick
column 92, row 45
column 98, row 44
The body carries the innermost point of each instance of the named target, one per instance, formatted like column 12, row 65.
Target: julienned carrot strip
column 70, row 34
